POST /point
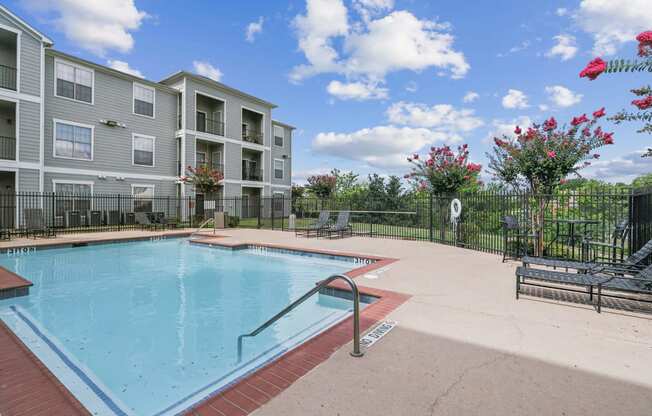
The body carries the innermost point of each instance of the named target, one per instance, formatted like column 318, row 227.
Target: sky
column 369, row 82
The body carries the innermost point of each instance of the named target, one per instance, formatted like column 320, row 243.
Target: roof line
column 20, row 21
column 212, row 82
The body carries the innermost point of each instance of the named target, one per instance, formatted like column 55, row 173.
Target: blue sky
column 367, row 82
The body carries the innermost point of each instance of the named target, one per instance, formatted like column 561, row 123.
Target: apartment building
column 68, row 125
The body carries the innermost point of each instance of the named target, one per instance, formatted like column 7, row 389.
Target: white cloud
column 97, row 26
column 562, row 96
column 470, row 97
column 441, row 117
column 381, row 146
column 561, row 11
column 371, row 48
column 565, row 48
column 207, row 70
column 123, row 66
column 358, row 91
column 369, row 8
column 515, row 99
column 411, row 87
column 613, row 22
column 620, row 169
column 253, row 29
column 503, row 128
column 543, row 107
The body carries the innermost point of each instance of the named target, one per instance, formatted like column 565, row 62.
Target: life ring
column 456, row 209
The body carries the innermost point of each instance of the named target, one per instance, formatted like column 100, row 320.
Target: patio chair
column 639, row 283
column 160, row 219
column 35, row 223
column 142, row 219
column 514, row 232
column 631, row 264
column 316, row 227
column 615, row 248
column 341, row 226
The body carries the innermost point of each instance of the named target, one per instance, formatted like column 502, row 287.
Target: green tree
column 322, row 186
column 643, row 181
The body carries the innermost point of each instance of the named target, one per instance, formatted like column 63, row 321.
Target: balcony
column 251, row 174
column 7, row 148
column 7, row 77
column 207, row 125
column 219, row 167
column 251, row 136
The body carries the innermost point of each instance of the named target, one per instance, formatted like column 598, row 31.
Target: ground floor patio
column 463, row 344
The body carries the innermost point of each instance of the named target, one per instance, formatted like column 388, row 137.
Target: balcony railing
column 213, row 166
column 252, row 136
column 251, row 174
column 211, row 126
column 7, row 77
column 7, row 148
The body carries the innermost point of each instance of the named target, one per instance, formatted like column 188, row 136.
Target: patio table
column 570, row 236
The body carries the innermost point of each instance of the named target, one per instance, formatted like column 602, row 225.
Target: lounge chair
column 639, row 283
column 632, row 263
column 615, row 249
column 316, row 227
column 341, row 226
column 160, row 219
column 35, row 223
column 142, row 219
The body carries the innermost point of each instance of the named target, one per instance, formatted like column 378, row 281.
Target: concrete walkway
column 465, row 346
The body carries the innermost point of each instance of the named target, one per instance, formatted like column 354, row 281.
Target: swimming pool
column 150, row 328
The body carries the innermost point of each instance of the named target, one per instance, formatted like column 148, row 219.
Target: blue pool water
column 149, row 328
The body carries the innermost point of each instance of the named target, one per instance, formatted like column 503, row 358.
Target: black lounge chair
column 615, row 248
column 640, row 282
column 160, row 219
column 144, row 221
column 632, row 263
column 35, row 223
column 316, row 227
column 341, row 226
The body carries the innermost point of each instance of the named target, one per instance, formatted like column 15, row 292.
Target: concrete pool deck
column 463, row 344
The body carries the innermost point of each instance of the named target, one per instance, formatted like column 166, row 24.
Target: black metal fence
column 569, row 217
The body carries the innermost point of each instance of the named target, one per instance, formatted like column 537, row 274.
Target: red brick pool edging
column 27, row 387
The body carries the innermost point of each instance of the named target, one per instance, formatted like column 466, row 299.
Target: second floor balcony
column 7, row 77
column 208, row 125
column 219, row 167
column 251, row 173
column 252, row 136
column 7, row 148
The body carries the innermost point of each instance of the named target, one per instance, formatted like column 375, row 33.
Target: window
column 279, row 136
column 72, row 197
column 73, row 141
column 200, row 158
column 143, row 197
column 143, row 147
column 74, row 82
column 201, row 121
column 278, row 168
column 144, row 100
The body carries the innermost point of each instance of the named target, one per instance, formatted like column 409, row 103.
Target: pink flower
column 499, row 143
column 430, row 162
column 599, row 113
column 552, row 154
column 594, row 69
column 644, row 103
column 644, row 43
column 562, row 181
column 608, row 138
column 579, row 120
column 550, row 124
column 517, row 130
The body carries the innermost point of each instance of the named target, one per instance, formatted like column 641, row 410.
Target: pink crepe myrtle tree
column 204, row 179
column 541, row 157
column 642, row 104
column 444, row 171
column 322, row 186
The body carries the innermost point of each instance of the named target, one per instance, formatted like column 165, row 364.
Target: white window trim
column 91, row 70
column 141, row 185
column 133, row 148
column 72, row 123
column 133, row 100
column 275, row 136
column 56, row 182
column 282, row 170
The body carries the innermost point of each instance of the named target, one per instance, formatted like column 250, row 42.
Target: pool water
column 150, row 328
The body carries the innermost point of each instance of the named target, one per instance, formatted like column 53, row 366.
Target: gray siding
column 113, row 145
column 278, row 152
column 111, row 186
column 29, row 139
column 232, row 161
column 30, row 65
column 28, row 180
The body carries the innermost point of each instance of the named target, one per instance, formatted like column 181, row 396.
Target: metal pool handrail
column 200, row 228
column 356, row 313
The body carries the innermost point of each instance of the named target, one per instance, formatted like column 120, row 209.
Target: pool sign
column 377, row 333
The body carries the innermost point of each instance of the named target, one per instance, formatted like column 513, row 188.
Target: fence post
column 119, row 213
column 190, row 210
column 431, row 236
column 259, row 219
column 52, row 205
